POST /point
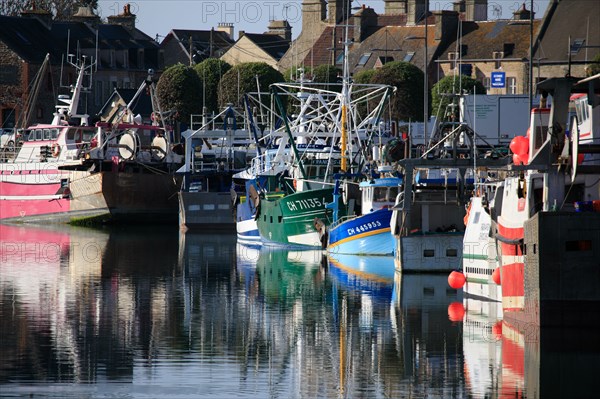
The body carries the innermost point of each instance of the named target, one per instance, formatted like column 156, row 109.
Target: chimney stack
column 86, row 15
column 394, row 7
column 363, row 19
column 446, row 23
column 415, row 11
column 43, row 16
column 280, row 28
column 126, row 18
column 226, row 27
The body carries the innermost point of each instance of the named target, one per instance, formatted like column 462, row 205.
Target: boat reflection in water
column 121, row 313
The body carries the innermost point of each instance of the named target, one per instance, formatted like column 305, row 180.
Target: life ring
column 55, row 150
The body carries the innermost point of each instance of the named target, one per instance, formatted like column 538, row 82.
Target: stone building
column 268, row 47
column 122, row 53
column 190, row 47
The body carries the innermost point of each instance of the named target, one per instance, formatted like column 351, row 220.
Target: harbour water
column 156, row 313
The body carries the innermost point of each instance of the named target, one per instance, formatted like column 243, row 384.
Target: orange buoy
column 496, row 276
column 456, row 311
column 456, row 280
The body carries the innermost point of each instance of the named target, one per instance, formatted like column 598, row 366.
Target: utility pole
column 190, row 50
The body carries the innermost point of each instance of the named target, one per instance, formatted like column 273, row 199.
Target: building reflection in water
column 198, row 315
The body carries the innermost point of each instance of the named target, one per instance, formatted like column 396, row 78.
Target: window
column 453, row 56
column 99, row 94
column 339, row 60
column 511, row 85
column 576, row 45
column 487, row 83
column 140, row 59
column 498, row 55
column 363, row 59
column 409, row 56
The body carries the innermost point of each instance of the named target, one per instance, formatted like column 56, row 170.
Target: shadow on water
column 153, row 312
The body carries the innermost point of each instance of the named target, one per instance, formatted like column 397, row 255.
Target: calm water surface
column 155, row 313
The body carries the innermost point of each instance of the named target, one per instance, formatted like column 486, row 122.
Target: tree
column 442, row 91
column 594, row 67
column 62, row 10
column 292, row 74
column 365, row 76
column 210, row 71
column 241, row 79
column 180, row 90
column 407, row 102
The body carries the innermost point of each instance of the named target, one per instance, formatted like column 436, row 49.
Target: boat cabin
column 49, row 143
column 379, row 193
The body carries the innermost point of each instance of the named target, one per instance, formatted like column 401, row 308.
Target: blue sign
column 498, row 80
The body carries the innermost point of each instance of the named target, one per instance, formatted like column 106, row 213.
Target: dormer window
column 140, row 59
column 363, row 59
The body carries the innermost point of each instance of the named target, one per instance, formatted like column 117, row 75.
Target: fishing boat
column 428, row 219
column 34, row 184
column 480, row 259
column 121, row 169
column 369, row 233
column 549, row 209
column 330, row 134
column 131, row 166
column 214, row 152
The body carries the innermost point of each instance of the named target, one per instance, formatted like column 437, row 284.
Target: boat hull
column 35, row 191
column 128, row 197
column 201, row 210
column 479, row 254
column 246, row 226
column 290, row 220
column 363, row 235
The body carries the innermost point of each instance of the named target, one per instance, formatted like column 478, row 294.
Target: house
column 123, row 55
column 266, row 47
column 203, row 44
column 492, row 49
column 574, row 20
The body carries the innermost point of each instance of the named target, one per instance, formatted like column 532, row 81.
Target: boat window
column 451, row 252
column 54, row 134
column 47, row 134
column 428, row 253
column 476, row 217
column 71, row 134
column 385, row 194
column 38, row 134
column 88, row 135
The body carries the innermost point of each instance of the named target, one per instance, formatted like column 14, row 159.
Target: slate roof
column 481, row 39
column 32, row 40
column 398, row 43
column 29, row 39
column 201, row 39
column 575, row 18
column 322, row 49
column 274, row 45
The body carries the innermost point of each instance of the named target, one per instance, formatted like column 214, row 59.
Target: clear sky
column 160, row 16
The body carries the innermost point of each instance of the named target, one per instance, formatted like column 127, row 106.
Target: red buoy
column 519, row 145
column 497, row 329
column 456, row 311
column 456, row 280
column 496, row 276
